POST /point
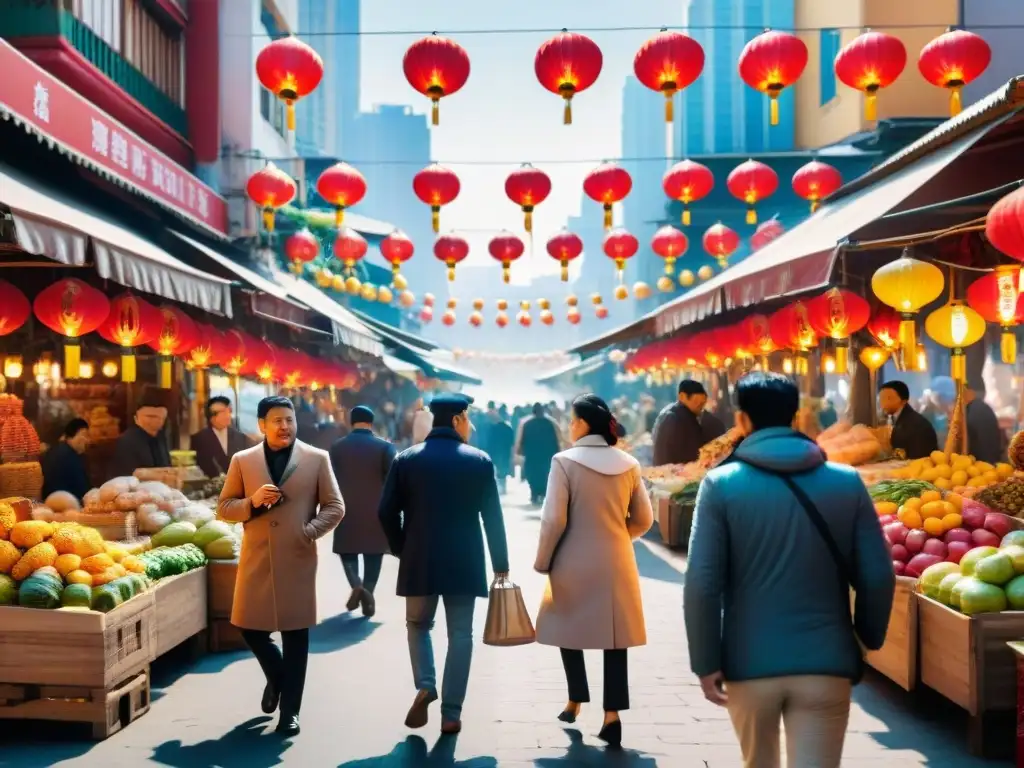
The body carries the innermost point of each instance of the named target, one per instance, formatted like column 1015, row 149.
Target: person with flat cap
column 434, row 499
column 361, row 462
column 912, row 433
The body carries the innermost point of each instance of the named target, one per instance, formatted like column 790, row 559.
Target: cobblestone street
column 359, row 687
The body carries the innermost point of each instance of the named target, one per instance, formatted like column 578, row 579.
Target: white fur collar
column 594, row 453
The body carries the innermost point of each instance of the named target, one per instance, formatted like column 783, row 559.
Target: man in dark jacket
column 434, row 499
column 144, row 444
column 985, row 438
column 215, row 445
column 501, row 439
column 766, row 602
column 912, row 433
column 361, row 462
column 683, row 428
column 538, row 441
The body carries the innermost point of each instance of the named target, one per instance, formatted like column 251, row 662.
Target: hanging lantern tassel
column 290, row 110
column 339, row 217
column 751, row 215
column 567, row 112
column 955, row 104
column 435, row 111
column 128, row 364
column 607, row 215
column 669, row 108
column 670, row 266
column 268, row 219
column 842, row 356
column 773, row 107
column 765, row 363
column 72, row 358
column 908, row 333
column 1008, row 345
column 958, row 365
column 528, row 218
column 686, row 214
column 435, row 217
column 801, row 366
column 871, row 103
column 814, row 205
column 620, row 266
column 451, row 271
column 165, row 371
column 565, row 271
column 506, row 275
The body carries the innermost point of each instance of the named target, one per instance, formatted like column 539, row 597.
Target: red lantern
column 436, row 185
column 547, row 317
column 178, row 334
column 952, row 60
column 426, row 314
column 451, row 249
column 567, row 64
column 573, row 316
column 231, row 352
column 771, row 62
column 670, row 244
column 838, row 314
column 527, row 188
column 751, row 182
column 564, row 247
column 607, row 184
column 14, row 308
column 884, row 327
column 524, row 319
column 448, row 318
column 721, row 242
column 619, row 246
column 131, row 323
column 757, row 336
column 687, row 182
column 349, row 247
column 791, row 329
column 301, row 248
column 816, row 180
column 501, row 319
column 766, row 232
column 342, row 186
column 506, row 248
column 601, row 312
column 668, row 62
column 997, row 298
column 1004, row 225
column 270, row 188
column 261, row 359
column 289, row 69
column 397, row 249
column 869, row 62
column 436, row 67
column 476, row 319
column 73, row 309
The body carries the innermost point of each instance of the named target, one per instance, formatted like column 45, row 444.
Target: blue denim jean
column 419, row 620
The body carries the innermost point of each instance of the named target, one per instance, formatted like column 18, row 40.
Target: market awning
column 404, row 336
column 49, row 224
column 348, row 329
column 246, row 275
column 401, row 367
column 437, row 367
column 578, row 367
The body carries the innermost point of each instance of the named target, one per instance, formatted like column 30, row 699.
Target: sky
column 503, row 115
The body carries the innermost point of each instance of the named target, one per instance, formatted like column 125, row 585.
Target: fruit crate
column 181, row 612
column 968, row 661
column 897, row 658
column 225, row 637
column 674, row 521
column 222, row 577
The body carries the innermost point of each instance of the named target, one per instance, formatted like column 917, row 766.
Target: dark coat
column 913, row 434
column 984, row 435
column 500, row 441
column 135, row 449
column 679, row 434
column 210, row 454
column 361, row 461
column 434, row 499
column 64, row 470
column 538, row 444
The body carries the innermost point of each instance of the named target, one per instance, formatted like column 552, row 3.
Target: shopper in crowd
column 500, row 441
column 144, row 444
column 422, row 422
column 434, row 499
column 595, row 505
column 361, row 463
column 779, row 538
column 684, row 427
column 538, row 441
column 986, row 440
column 912, row 433
column 219, row 441
column 275, row 590
column 64, row 463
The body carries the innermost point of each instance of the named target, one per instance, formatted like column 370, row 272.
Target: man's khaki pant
column 814, row 710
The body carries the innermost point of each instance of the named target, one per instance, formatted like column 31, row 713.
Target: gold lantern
column 686, row 278
column 908, row 286
column 956, row 326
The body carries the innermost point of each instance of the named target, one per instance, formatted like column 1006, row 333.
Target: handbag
column 508, row 622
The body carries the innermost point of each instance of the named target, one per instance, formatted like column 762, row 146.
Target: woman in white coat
column 595, row 506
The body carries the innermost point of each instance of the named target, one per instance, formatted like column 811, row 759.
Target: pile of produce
column 852, row 445
column 1006, row 497
column 207, row 488
column 677, row 479
column 988, row 579
column 718, row 450
column 898, row 492
column 172, row 561
column 955, row 472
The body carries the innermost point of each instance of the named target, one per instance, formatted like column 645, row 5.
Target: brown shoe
column 354, row 599
column 368, row 602
column 418, row 714
column 451, row 727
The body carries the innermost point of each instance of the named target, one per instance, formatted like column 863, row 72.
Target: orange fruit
column 910, row 517
column 933, row 509
column 951, row 521
column 956, row 500
column 930, row 496
column 933, row 526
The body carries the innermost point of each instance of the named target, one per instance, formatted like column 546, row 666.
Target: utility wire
column 283, row 161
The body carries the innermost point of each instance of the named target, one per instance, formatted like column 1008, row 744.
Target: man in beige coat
column 275, row 490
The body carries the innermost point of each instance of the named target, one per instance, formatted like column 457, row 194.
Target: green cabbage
column 174, row 535
column 209, row 533
column 224, row 548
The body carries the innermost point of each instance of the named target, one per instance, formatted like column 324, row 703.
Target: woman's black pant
column 286, row 672
column 616, row 678
column 371, row 571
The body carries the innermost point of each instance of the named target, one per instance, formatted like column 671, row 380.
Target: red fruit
column 998, row 524
column 983, row 538
column 958, row 534
column 896, row 533
column 915, row 541
column 918, row 563
column 935, row 547
column 973, row 513
column 955, row 550
column 899, row 552
column 884, row 520
column 899, row 568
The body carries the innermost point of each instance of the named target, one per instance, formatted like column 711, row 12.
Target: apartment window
column 155, row 50
column 273, row 111
column 101, row 16
column 828, row 47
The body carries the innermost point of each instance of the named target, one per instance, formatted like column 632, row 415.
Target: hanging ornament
column 436, row 67
column 791, row 328
column 436, row 186
column 621, row 293
column 670, row 244
column 952, row 60
column 756, row 334
column 232, row 354
column 448, row 318
column 543, row 304
column 270, row 188
column 178, row 334
column 385, row 295
column 567, row 64
column 527, row 187
column 837, row 315
column 397, row 249
column 289, row 69
column 607, row 184
column 687, row 181
column 601, row 312
column 815, row 181
column 368, row 292
column 668, row 63
column 132, row 322
column 997, row 298
column 14, row 308
column 204, row 353
column 300, row 249
column 766, row 232
column 705, row 272
column 1004, row 225
column 72, row 309
column 261, row 359
column 563, row 247
column 505, row 248
column 720, row 242
column 523, row 318
column 547, row 317
column 501, row 319
column 641, row 290
column 884, row 327
column 426, row 314
column 342, row 186
column 870, row 62
column 353, row 286
column 451, row 249
column 406, row 299
column 337, row 282
column 956, row 327
column 349, row 247
column 476, row 319
column 771, row 62
column 665, row 284
column 686, row 278
column 620, row 245
column 324, row 277
column 501, row 304
column 571, row 300
column 908, row 286
column 751, row 182
column 573, row 316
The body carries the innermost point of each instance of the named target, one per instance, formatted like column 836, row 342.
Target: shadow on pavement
column 413, row 753
column 339, row 632
column 583, row 755
column 653, row 567
column 244, row 746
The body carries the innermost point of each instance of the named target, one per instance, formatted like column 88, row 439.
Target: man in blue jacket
column 435, row 496
column 779, row 537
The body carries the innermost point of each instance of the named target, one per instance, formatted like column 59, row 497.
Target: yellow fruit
column 79, row 577
column 990, row 478
column 933, row 509
column 65, row 539
column 89, row 543
column 910, row 517
column 930, row 475
column 959, row 477
column 930, row 496
column 951, row 521
column 914, row 503
column 106, row 576
column 984, row 466
column 976, row 482
column 97, row 563
column 939, row 457
column 973, row 471
column 956, row 500
column 942, row 484
column 1004, row 470
column 66, row 563
column 961, row 462
column 933, row 526
column 133, row 564
column 9, row 555
column 28, row 533
column 115, row 552
column 927, row 463
column 39, row 556
column 886, row 508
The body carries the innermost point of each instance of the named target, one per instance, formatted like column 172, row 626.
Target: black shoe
column 271, row 698
column 611, row 734
column 288, row 725
column 354, row 599
column 368, row 603
column 567, row 716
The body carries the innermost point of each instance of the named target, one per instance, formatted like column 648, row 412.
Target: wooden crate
column 897, row 658
column 221, row 579
column 72, row 647
column 181, row 613
column 225, row 637
column 107, row 710
column 674, row 521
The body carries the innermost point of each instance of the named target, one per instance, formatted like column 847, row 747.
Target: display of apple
column 919, row 562
column 958, row 534
column 935, row 547
column 983, row 538
column 915, row 541
column 997, row 523
column 896, row 532
column 955, row 550
column 884, row 520
column 899, row 552
column 899, row 567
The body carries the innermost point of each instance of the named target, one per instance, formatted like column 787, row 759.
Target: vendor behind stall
column 64, row 463
column 912, row 433
column 985, row 438
column 144, row 444
column 684, row 427
column 215, row 445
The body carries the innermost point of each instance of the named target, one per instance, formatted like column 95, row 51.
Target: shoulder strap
column 819, row 523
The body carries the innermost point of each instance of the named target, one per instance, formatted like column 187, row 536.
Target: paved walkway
column 360, row 686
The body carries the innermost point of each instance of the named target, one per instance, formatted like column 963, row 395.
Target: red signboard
column 55, row 111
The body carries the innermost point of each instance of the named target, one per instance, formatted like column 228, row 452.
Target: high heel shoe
column 611, row 733
column 567, row 716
